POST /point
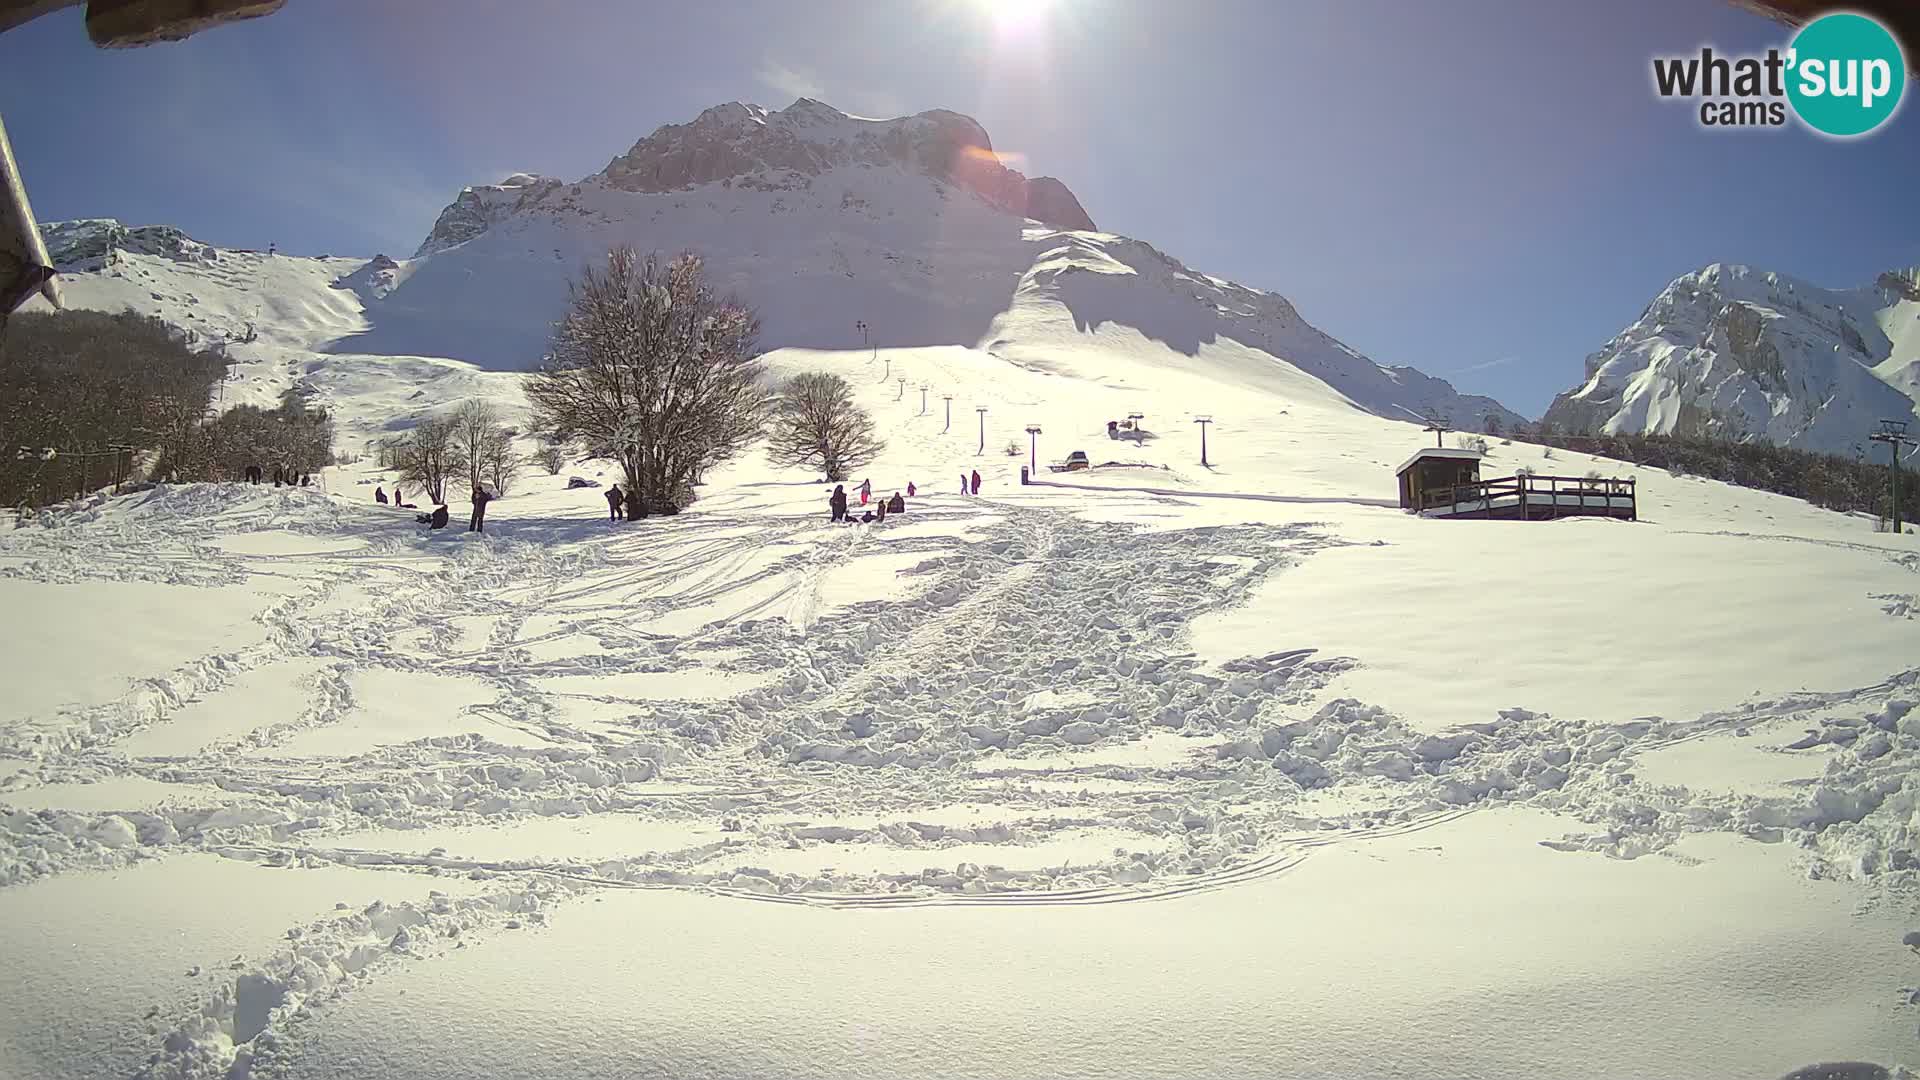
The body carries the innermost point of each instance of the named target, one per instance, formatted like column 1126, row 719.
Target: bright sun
column 1016, row 15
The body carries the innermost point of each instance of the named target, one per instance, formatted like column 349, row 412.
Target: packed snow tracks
column 978, row 703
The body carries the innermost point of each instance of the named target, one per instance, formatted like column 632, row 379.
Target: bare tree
column 816, row 424
column 651, row 369
column 425, row 456
column 551, row 456
column 499, row 462
column 477, row 442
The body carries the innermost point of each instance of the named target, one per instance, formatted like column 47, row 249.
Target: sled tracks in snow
column 1287, row 854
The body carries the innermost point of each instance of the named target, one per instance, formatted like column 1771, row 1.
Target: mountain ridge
column 1732, row 351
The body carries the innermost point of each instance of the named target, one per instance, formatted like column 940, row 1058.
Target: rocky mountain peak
column 750, row 146
column 1735, row 352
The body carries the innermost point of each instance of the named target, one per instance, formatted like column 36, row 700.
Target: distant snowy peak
column 84, row 243
column 1733, row 352
column 477, row 209
column 750, row 146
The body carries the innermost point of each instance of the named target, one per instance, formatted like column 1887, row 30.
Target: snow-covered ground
column 744, row 793
column 1158, row 769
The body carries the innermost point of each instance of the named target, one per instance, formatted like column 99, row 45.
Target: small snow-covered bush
column 1477, row 443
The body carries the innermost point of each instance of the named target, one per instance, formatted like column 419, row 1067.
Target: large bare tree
column 652, row 369
column 816, row 424
column 481, row 447
column 425, row 456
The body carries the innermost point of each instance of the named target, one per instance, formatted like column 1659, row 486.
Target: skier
column 379, row 495
column 615, row 501
column 866, row 491
column 837, row 502
column 976, row 481
column 910, row 489
column 896, row 505
column 480, row 500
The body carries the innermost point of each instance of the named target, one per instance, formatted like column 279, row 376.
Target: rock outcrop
column 748, row 145
column 73, row 244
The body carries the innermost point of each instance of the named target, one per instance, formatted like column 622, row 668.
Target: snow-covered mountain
column 821, row 220
column 1741, row 353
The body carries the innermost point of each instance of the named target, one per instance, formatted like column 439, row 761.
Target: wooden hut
column 1438, row 482
column 1434, row 469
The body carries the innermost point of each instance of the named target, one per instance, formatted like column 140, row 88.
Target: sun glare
column 1016, row 16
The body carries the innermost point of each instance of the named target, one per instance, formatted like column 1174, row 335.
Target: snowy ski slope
column 1384, row 758
column 1159, row 769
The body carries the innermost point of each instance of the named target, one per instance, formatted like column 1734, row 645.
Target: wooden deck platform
column 1534, row 498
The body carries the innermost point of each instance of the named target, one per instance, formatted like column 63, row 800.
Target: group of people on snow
column 438, row 516
column 282, row 476
column 840, row 510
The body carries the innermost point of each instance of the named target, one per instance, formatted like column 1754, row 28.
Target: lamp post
column 982, row 410
column 948, row 398
column 1894, row 434
column 1203, row 421
column 1033, row 447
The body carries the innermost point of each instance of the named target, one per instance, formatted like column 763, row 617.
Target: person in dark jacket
column 435, row 520
column 837, row 502
column 963, row 483
column 480, row 499
column 616, row 503
column 976, row 481
column 896, row 505
column 379, row 495
column 253, row 474
column 910, row 489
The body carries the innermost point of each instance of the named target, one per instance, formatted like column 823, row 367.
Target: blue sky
column 1485, row 189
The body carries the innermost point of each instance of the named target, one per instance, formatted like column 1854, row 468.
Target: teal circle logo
column 1845, row 74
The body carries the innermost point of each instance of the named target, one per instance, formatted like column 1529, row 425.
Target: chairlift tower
column 1033, row 448
column 1203, row 421
column 923, row 399
column 1894, row 434
column 982, row 410
column 948, row 398
column 1439, row 429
